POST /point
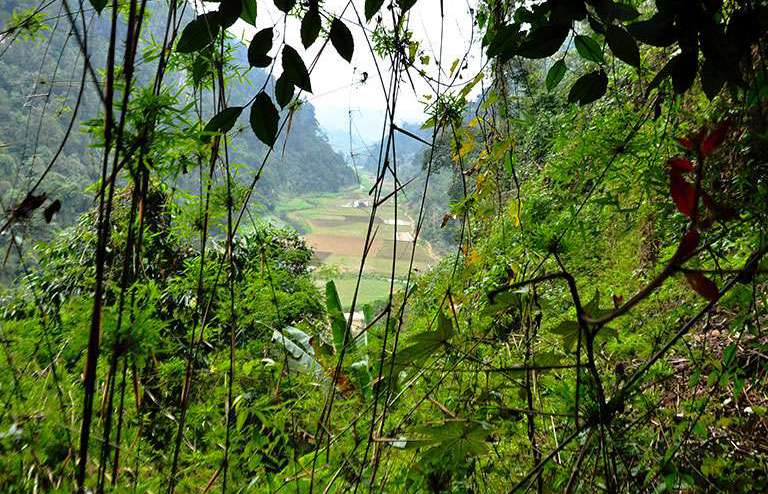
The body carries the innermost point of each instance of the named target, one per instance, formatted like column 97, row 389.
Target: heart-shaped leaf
column 264, row 119
column 341, row 38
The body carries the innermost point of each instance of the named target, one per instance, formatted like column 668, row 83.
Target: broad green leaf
column 555, row 74
column 623, row 45
column 341, row 38
column 336, row 315
column 295, row 70
column 569, row 331
column 199, row 33
column 588, row 49
column 310, row 26
column 264, row 119
column 224, row 120
column 259, row 47
column 283, row 91
column 543, row 41
column 362, row 375
column 249, row 12
column 589, row 88
column 371, row 7
column 285, row 5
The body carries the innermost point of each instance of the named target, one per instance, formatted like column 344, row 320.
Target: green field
column 336, row 227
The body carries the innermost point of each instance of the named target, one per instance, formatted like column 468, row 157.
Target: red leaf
column 686, row 143
column 682, row 164
column 682, row 193
column 713, row 140
column 703, row 285
column 688, row 244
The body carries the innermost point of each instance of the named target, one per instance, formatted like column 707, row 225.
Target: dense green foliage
column 599, row 326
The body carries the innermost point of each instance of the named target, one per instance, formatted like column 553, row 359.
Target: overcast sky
column 336, row 83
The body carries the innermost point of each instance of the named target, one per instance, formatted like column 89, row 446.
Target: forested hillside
column 598, row 170
column 40, row 82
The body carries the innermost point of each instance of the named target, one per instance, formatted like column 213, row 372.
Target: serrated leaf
column 589, row 88
column 259, row 47
column 543, row 41
column 588, row 49
column 224, row 120
column 284, row 91
column 248, row 13
column 623, row 45
column 310, row 26
column 285, row 5
column 341, row 38
column 371, row 7
column 555, row 74
column 295, row 70
column 199, row 33
column 264, row 119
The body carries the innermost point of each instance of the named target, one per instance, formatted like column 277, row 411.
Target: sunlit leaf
column 588, row 49
column 555, row 74
column 248, row 13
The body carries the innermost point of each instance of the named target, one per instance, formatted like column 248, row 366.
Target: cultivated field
column 336, row 226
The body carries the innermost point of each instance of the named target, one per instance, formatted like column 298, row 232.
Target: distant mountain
column 39, row 82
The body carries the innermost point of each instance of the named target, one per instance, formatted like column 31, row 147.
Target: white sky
column 335, row 83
